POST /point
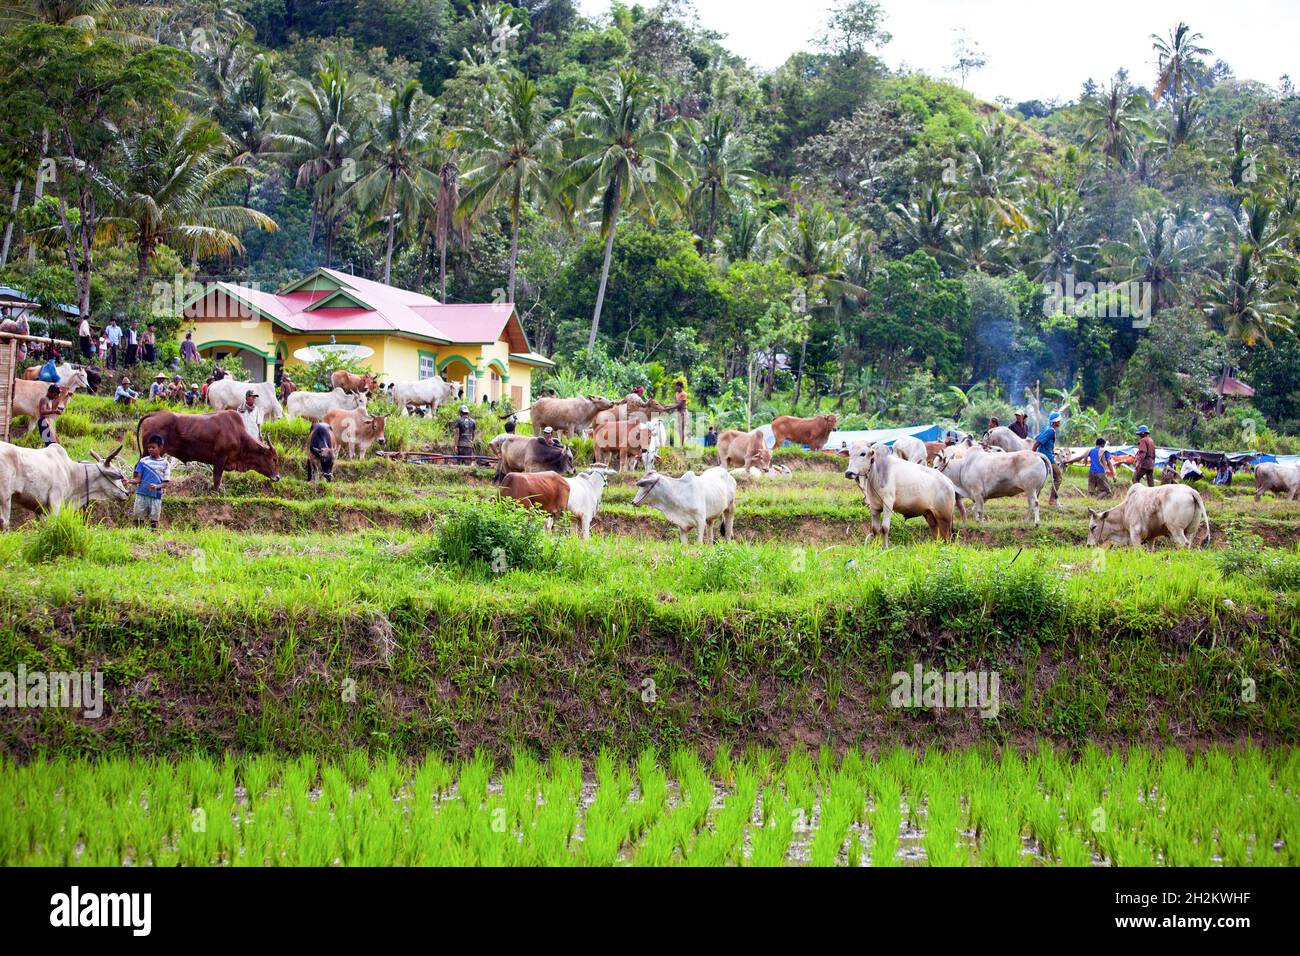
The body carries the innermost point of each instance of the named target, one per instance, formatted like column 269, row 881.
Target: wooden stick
column 14, row 336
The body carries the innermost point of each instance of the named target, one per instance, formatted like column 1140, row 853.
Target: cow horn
column 113, row 454
column 95, row 455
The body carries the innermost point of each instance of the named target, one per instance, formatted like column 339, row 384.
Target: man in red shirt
column 1144, row 463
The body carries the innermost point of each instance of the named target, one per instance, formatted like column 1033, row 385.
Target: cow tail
column 139, row 426
column 1205, row 516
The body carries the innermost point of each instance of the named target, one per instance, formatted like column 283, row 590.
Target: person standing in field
column 83, row 337
column 1018, row 427
column 464, row 428
column 1045, row 445
column 1144, row 464
column 252, row 415
column 148, row 343
column 1100, row 468
column 49, row 409
column 152, row 472
column 132, row 344
column 113, row 335
column 189, row 351
column 680, row 398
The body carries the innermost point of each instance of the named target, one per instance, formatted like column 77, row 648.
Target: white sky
column 1035, row 50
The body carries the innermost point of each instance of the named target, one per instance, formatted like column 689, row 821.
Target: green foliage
column 492, row 537
column 61, row 534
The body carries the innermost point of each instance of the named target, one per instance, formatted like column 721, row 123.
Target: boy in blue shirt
column 1099, row 469
column 1045, row 445
column 152, row 472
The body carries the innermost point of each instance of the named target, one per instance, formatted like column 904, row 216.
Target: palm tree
column 1246, row 305
column 447, row 222
column 1113, row 121
column 172, row 178
column 1057, row 220
column 816, row 246
column 392, row 179
column 993, row 171
column 1179, row 65
column 721, row 171
column 742, row 240
column 322, row 131
column 511, row 162
column 926, row 221
column 622, row 153
column 978, row 239
column 1162, row 253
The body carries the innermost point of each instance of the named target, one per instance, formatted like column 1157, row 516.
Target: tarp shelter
column 885, row 436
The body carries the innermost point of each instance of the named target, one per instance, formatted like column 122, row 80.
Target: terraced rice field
column 1141, row 808
column 303, row 671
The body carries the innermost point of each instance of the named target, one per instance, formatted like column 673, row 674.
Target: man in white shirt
column 113, row 333
column 251, row 413
column 83, row 337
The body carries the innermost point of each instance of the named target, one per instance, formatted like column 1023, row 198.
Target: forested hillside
column 831, row 234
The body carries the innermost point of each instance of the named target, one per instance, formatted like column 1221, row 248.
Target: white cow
column 71, row 377
column 692, row 502
column 653, row 437
column 314, row 406
column 1278, row 477
column 910, row 448
column 980, row 476
column 890, row 484
column 48, row 479
column 1175, row 511
column 585, row 491
column 227, row 393
column 429, row 391
column 1004, row 438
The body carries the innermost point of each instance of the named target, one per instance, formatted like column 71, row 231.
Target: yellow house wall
column 397, row 359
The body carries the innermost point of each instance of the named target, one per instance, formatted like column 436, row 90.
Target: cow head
column 376, row 425
column 762, row 457
column 265, row 460
column 830, row 420
column 566, row 462
column 861, row 458
column 600, row 402
column 75, row 379
column 107, row 483
column 368, row 383
column 645, row 486
column 1104, row 527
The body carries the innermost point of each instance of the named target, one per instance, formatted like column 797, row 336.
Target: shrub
column 62, row 534
column 495, row 535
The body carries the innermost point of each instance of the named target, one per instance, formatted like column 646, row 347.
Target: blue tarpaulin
column 885, row 436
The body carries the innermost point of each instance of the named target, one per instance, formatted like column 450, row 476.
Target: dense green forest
column 832, row 234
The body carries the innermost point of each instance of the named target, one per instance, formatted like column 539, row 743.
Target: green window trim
column 227, row 343
column 474, row 369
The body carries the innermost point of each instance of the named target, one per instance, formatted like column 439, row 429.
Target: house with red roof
column 482, row 347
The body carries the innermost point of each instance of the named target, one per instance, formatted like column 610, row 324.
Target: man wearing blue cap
column 1144, row 462
column 1045, row 445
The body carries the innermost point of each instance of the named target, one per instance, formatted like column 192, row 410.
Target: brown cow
column 350, row 382
column 812, row 432
column 570, row 416
column 741, row 449
column 218, row 439
column 615, row 432
column 521, row 453
column 545, row 491
column 356, row 430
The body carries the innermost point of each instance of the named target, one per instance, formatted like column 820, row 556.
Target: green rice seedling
column 724, row 842
column 771, row 841
column 843, row 802
column 668, row 840
column 59, row 535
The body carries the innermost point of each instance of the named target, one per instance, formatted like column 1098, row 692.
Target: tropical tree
column 1057, row 220
column 1179, row 65
column 169, row 187
column 323, row 129
column 720, row 172
column 1114, row 120
column 927, row 223
column 621, row 154
column 391, row 178
column 1163, row 253
column 1246, row 305
column 993, row 173
column 512, row 161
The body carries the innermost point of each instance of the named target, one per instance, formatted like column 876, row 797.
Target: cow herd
column 909, row 478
